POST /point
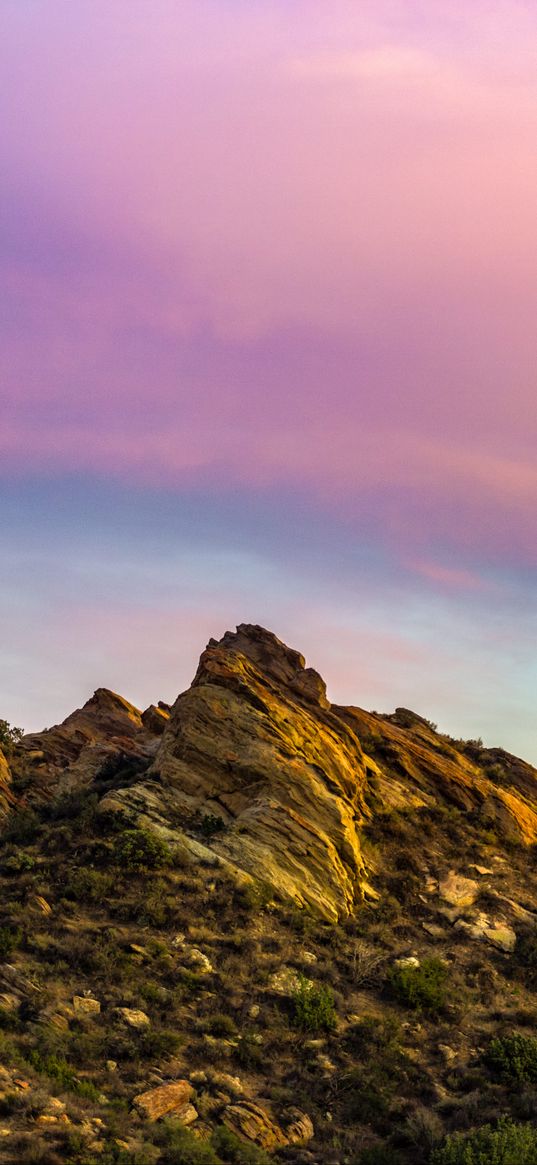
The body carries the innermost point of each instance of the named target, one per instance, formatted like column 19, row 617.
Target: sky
column 269, row 292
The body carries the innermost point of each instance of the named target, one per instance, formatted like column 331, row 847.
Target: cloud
column 385, row 63
column 282, row 255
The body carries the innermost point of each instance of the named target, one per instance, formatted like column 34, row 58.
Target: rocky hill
column 256, row 926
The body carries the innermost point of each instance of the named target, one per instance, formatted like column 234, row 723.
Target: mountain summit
column 258, row 927
column 252, row 769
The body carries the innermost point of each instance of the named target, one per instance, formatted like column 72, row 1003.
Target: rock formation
column 253, row 748
column 6, row 795
column 69, row 755
column 253, row 770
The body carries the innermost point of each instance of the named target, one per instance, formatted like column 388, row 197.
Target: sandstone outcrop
column 254, row 771
column 167, row 1100
column 6, row 794
column 71, row 754
column 253, row 749
column 259, row 773
column 251, row 1122
column 411, row 766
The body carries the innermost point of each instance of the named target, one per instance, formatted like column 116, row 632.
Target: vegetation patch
column 514, row 1058
column 423, row 988
column 314, row 1007
column 507, row 1144
column 139, row 850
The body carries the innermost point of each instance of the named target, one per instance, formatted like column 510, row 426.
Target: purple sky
column 269, row 297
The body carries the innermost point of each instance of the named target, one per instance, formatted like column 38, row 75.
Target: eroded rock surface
column 71, row 754
column 167, row 1100
column 6, row 794
column 253, row 750
column 253, row 770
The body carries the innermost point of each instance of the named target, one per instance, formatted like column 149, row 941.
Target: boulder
column 198, row 961
column 497, row 933
column 457, row 890
column 40, row 905
column 132, row 1017
column 300, row 1130
column 231, row 1084
column 167, row 1100
column 85, row 1005
column 251, row 1122
column 286, row 981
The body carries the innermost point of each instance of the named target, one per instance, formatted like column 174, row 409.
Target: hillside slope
column 291, row 928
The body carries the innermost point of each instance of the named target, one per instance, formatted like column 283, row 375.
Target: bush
column 525, row 957
column 380, row 1155
column 152, row 1045
column 210, row 824
column 139, row 850
column 59, row 1070
column 9, row 736
column 422, row 988
column 9, row 940
column 236, row 1152
column 507, row 1144
column 221, row 1026
column 514, row 1058
column 87, row 885
column 19, row 863
column 181, row 1147
column 314, row 1008
column 21, row 827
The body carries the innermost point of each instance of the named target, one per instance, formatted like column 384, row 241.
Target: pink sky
column 285, row 249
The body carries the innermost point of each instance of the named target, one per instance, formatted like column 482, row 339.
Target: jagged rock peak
column 278, row 662
column 107, row 710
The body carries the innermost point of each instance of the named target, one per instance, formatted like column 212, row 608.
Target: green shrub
column 248, row 1053
column 139, row 850
column 380, row 1155
column 9, row 736
column 507, row 1144
column 423, row 988
column 154, row 1044
column 236, row 1152
column 59, row 1070
column 80, row 806
column 514, row 1058
column 525, row 957
column 221, row 1025
column 22, row 827
column 9, row 939
column 19, row 863
column 87, row 885
column 210, row 824
column 314, row 1008
column 181, row 1147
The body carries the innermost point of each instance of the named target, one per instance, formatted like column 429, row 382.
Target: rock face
column 411, row 766
column 167, row 1100
column 251, row 1122
column 253, row 749
column 254, row 771
column 6, row 795
column 259, row 773
column 70, row 755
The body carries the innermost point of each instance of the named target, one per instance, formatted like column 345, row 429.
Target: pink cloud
column 452, row 578
column 224, row 178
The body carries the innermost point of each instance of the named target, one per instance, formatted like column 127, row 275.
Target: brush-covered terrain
column 255, row 927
